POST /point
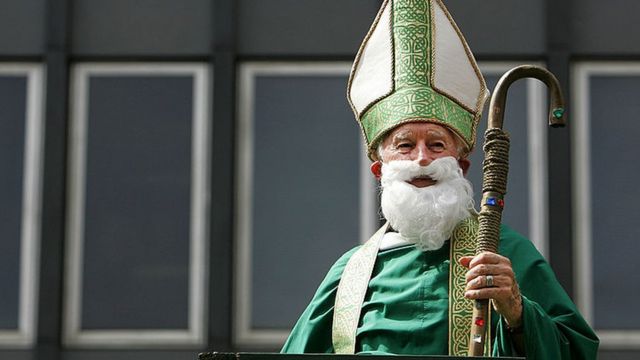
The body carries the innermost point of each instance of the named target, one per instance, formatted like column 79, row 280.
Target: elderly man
column 418, row 94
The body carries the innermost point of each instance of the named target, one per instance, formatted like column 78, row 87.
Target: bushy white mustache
column 442, row 169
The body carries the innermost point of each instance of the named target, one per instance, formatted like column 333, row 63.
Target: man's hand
column 504, row 292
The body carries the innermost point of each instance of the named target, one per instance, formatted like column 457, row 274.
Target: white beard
column 425, row 216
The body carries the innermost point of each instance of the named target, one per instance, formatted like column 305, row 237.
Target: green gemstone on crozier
column 558, row 113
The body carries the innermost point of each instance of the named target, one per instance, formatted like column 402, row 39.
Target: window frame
column 24, row 335
column 195, row 334
column 581, row 185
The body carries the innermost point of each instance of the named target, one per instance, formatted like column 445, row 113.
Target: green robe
column 405, row 310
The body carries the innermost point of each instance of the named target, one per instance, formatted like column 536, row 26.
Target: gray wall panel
column 303, row 27
column 609, row 27
column 501, row 27
column 142, row 27
column 516, row 213
column 617, row 355
column 17, row 355
column 306, row 207
column 615, row 191
column 22, row 24
column 13, row 97
column 137, row 203
column 337, row 27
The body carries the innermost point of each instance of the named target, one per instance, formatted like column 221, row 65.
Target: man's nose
column 423, row 156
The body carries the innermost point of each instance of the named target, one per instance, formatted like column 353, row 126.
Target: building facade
column 177, row 176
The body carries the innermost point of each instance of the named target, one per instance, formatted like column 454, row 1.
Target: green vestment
column 405, row 310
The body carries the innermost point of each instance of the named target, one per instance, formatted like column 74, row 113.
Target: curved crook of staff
column 495, row 168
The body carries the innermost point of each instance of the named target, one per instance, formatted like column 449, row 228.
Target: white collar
column 392, row 240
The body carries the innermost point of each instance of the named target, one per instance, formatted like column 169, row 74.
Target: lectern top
column 275, row 356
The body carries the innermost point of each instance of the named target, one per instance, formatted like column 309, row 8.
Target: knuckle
column 482, row 257
column 482, row 268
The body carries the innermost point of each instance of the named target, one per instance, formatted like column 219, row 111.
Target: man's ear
column 464, row 165
column 376, row 169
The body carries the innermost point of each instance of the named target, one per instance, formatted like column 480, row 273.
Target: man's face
column 421, row 142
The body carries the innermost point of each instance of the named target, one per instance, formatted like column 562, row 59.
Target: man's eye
column 437, row 146
column 404, row 146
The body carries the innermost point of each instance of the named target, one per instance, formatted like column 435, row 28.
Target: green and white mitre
column 415, row 65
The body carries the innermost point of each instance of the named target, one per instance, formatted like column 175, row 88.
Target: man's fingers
column 504, row 292
column 498, row 294
column 485, row 269
column 488, row 258
column 482, row 281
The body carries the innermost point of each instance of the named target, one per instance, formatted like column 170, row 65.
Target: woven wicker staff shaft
column 495, row 168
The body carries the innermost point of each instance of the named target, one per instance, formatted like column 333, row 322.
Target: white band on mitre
column 455, row 72
column 372, row 76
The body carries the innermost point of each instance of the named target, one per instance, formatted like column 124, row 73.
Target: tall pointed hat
column 415, row 65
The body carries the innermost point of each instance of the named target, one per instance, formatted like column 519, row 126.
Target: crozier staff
column 418, row 94
column 495, row 168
